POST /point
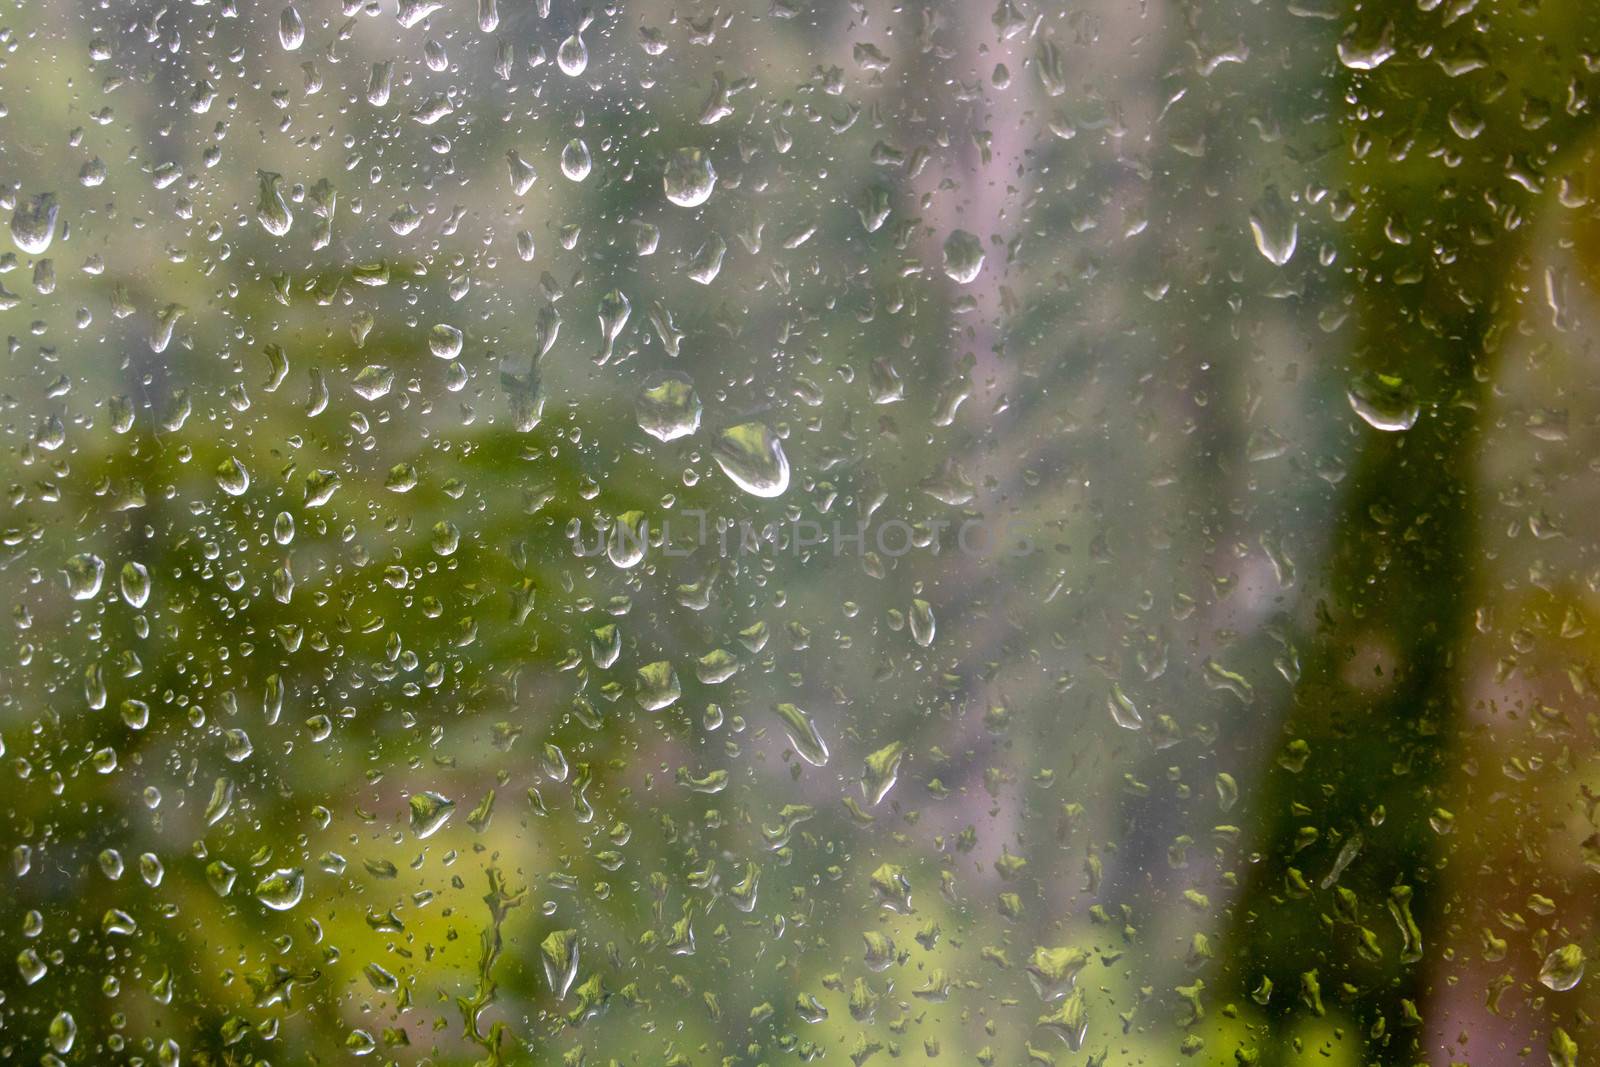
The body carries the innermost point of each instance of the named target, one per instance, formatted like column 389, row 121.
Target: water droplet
column 272, row 211
column 559, row 954
column 1384, row 402
column 706, row 263
column 444, row 341
column 881, row 771
column 402, row 478
column 291, row 29
column 232, row 477
column 429, row 811
column 1070, row 1021
column 668, row 407
column 963, row 257
column 85, row 571
column 281, row 889
column 1366, row 50
column 573, row 55
column 1124, row 712
column 135, row 584
column 320, row 487
column 373, row 382
column 522, row 173
column 752, row 457
column 605, row 645
column 33, row 224
column 630, row 536
column 657, row 686
column 575, row 160
column 411, row 12
column 1052, row 971
column 614, row 311
column 135, row 714
column 30, row 966
column 1274, row 228
column 63, row 1032
column 689, row 177
column 803, row 735
column 922, row 622
column 1563, row 968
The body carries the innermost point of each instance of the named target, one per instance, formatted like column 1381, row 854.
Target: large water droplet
column 803, row 735
column 373, row 382
column 614, row 311
column 522, row 173
column 30, row 966
column 272, row 211
column 291, row 29
column 1563, row 968
column 751, row 455
column 232, row 477
column 963, row 257
column 320, row 486
column 411, row 12
column 575, row 160
column 85, row 571
column 706, row 263
column 429, row 811
column 1274, row 228
column 444, row 341
column 559, row 954
column 281, row 889
column 1384, row 402
column 33, row 224
column 689, row 178
column 657, row 686
column 63, row 1032
column 135, row 584
column 881, row 771
column 573, row 56
column 1365, row 50
column 1124, row 712
column 668, row 407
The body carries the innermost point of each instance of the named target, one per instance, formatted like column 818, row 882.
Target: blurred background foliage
column 1275, row 744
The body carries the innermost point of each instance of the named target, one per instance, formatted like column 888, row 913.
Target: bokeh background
column 1265, row 734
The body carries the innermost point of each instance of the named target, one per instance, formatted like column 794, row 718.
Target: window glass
column 774, row 531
